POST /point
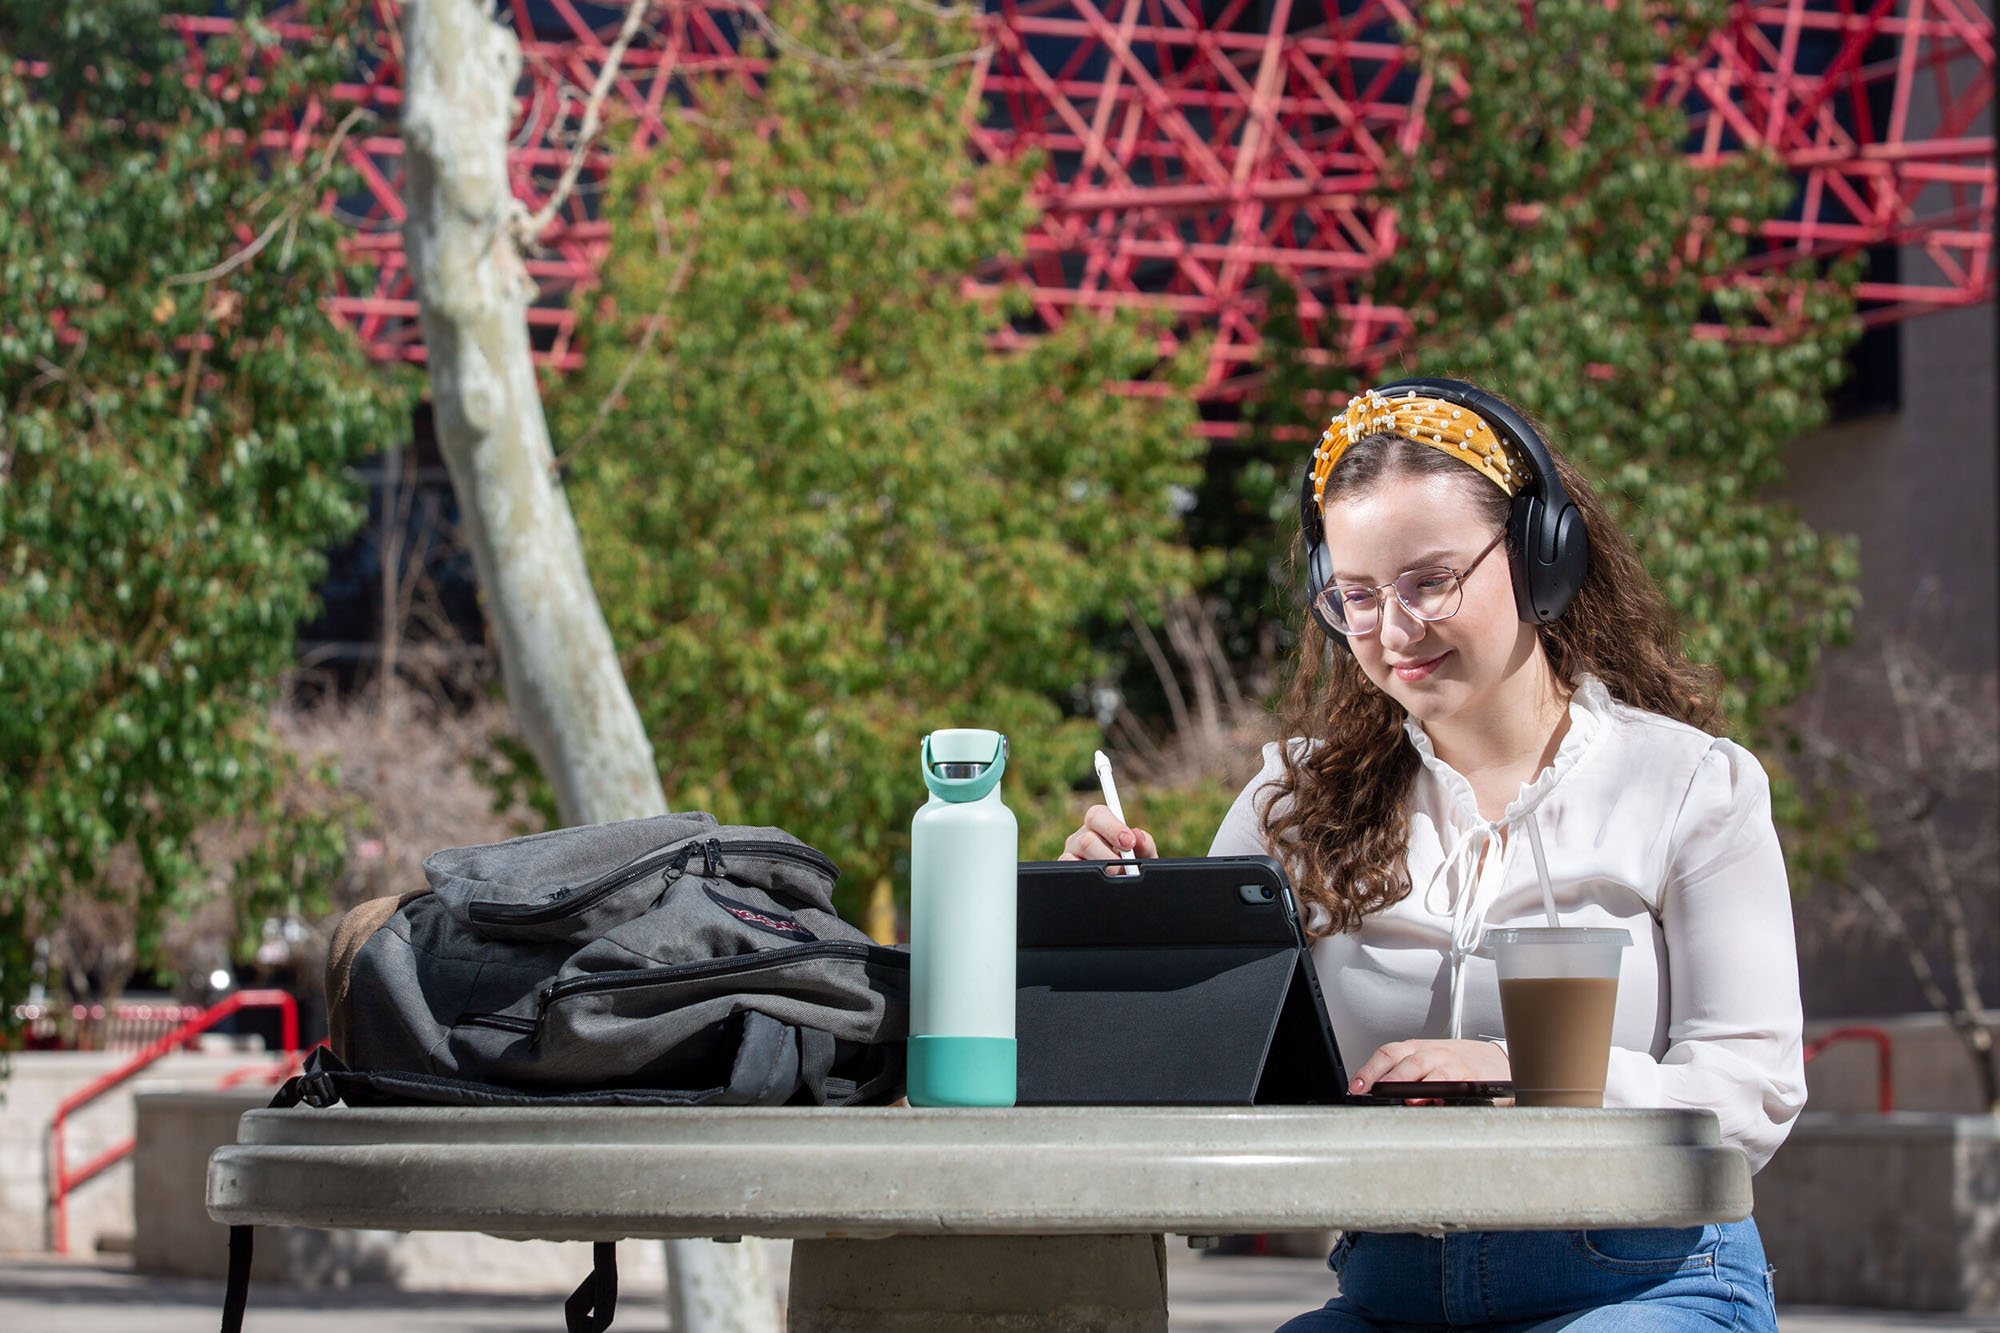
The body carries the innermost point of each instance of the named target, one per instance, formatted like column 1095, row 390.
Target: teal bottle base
column 961, row 1071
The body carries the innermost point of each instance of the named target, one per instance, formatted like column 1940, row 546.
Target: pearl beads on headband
column 1457, row 431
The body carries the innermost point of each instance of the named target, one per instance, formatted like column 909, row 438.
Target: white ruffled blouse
column 1643, row 822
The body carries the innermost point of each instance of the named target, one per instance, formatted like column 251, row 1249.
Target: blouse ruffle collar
column 1589, row 715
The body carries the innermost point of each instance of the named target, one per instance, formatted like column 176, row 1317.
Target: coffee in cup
column 1558, row 995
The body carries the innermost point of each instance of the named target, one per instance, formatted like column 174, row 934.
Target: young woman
column 1486, row 663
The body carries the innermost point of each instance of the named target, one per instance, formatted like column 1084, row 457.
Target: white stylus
column 1103, row 763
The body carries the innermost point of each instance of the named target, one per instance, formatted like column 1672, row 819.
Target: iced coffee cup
column 1558, row 993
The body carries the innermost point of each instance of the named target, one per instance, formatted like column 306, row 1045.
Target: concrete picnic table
column 960, row 1219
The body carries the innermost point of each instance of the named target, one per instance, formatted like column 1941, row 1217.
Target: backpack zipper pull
column 543, row 998
column 711, row 858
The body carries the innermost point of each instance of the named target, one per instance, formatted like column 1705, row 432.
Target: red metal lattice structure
column 1191, row 141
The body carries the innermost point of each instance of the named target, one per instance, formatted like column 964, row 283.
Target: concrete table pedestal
column 979, row 1284
column 961, row 1220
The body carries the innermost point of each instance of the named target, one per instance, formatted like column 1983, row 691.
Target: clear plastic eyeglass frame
column 1431, row 593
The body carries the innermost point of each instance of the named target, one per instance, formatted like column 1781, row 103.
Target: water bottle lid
column 963, row 763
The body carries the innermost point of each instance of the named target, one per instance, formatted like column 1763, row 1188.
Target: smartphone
column 1450, row 1089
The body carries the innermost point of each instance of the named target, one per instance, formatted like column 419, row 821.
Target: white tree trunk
column 562, row 675
column 563, row 680
column 719, row 1288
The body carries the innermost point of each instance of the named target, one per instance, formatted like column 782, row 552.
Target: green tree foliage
column 824, row 517
column 1545, row 242
column 1557, row 243
column 171, row 459
column 1247, row 511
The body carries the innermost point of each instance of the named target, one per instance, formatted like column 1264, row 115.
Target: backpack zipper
column 505, row 1022
column 761, row 961
column 783, row 851
column 563, row 902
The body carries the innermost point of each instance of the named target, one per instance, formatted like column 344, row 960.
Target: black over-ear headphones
column 1546, row 539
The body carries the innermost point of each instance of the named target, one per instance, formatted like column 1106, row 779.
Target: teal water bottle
column 964, row 846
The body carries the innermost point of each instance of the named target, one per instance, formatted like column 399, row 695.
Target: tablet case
column 1186, row 983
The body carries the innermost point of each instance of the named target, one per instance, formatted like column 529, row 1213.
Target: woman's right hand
column 1104, row 838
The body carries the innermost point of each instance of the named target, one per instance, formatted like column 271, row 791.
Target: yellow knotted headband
column 1446, row 427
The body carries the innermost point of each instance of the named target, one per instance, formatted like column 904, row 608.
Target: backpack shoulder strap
column 591, row 1305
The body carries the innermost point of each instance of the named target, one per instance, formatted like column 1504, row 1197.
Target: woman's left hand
column 1433, row 1058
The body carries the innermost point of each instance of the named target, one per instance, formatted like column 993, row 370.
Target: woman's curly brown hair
column 1339, row 813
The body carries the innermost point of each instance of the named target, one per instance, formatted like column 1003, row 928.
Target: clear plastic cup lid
column 1558, row 935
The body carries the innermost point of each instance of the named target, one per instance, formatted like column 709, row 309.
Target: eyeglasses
column 1434, row 592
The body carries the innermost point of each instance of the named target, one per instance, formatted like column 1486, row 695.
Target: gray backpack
column 669, row 960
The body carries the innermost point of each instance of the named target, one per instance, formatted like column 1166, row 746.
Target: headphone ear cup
column 1319, row 563
column 1572, row 560
column 1550, row 554
column 1520, row 553
column 1319, row 573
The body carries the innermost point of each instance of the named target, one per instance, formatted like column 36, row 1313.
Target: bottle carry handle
column 963, row 789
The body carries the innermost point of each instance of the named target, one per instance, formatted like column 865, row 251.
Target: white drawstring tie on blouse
column 1468, row 903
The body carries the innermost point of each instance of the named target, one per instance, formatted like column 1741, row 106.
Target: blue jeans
column 1665, row 1279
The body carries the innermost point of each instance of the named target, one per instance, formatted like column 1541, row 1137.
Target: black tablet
column 1177, row 981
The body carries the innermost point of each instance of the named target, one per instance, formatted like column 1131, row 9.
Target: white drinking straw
column 1103, row 764
column 1542, row 869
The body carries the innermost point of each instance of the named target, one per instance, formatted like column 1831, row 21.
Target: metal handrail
column 1885, row 1094
column 63, row 1181
column 122, row 1025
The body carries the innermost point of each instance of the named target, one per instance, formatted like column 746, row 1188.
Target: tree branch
column 1218, row 660
column 872, row 68
column 652, row 331
column 1885, row 912
column 289, row 214
column 1940, row 884
column 529, row 228
column 943, row 11
column 237, row 260
column 191, row 381
column 1139, row 741
column 1176, row 703
column 1181, row 633
column 51, row 373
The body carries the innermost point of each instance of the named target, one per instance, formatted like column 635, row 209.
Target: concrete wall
column 1929, row 1068
column 1919, row 491
column 102, row 1209
column 1917, row 488
column 1894, row 1212
column 171, row 1233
